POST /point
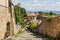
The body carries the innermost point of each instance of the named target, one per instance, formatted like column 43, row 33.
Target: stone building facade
column 31, row 15
column 7, row 22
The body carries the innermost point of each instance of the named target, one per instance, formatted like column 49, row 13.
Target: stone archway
column 7, row 30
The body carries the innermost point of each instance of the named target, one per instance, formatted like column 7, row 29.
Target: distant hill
column 57, row 12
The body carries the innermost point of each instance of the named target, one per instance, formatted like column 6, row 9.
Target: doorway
column 7, row 30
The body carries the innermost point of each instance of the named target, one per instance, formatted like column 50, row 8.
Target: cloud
column 15, row 1
column 35, row 1
column 40, row 5
column 57, row 2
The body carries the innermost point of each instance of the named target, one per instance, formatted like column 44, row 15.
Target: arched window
column 8, row 26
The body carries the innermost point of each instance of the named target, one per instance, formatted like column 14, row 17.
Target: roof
column 32, row 14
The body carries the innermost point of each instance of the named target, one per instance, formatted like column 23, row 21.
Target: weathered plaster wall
column 5, row 16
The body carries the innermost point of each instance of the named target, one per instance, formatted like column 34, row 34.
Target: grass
column 34, row 25
column 49, row 19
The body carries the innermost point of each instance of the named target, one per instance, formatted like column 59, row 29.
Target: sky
column 39, row 5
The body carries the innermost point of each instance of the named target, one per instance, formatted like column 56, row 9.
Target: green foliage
column 20, row 15
column 46, row 14
column 39, row 17
column 49, row 13
column 34, row 25
column 39, row 12
column 9, row 39
column 49, row 19
column 46, row 35
column 58, row 35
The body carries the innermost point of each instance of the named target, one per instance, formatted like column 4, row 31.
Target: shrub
column 34, row 25
column 58, row 36
column 9, row 39
column 39, row 17
column 49, row 19
column 46, row 35
column 47, row 14
column 51, row 13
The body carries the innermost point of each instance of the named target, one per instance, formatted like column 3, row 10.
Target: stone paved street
column 27, row 36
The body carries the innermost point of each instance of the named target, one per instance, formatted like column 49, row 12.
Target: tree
column 23, row 11
column 51, row 13
column 46, row 13
column 39, row 17
column 39, row 12
column 19, row 15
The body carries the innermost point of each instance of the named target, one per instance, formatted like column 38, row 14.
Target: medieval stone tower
column 7, row 22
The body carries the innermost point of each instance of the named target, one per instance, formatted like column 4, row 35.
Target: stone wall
column 51, row 28
column 5, row 17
